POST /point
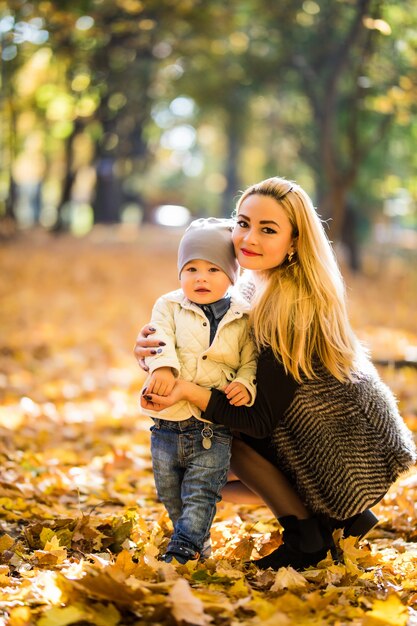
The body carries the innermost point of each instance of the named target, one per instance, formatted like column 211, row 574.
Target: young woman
column 323, row 441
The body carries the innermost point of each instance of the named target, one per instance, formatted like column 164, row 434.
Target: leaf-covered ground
column 80, row 528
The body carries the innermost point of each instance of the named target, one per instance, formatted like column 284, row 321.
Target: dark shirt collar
column 218, row 308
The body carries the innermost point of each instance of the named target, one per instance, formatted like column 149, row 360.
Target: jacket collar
column 237, row 303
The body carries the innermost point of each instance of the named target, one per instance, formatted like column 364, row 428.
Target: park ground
column 80, row 526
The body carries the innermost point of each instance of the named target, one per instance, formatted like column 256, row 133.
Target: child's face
column 203, row 282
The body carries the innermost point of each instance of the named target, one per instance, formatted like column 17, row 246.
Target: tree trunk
column 108, row 197
column 228, row 201
column 60, row 224
column 332, row 208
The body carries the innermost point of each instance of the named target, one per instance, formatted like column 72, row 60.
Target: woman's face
column 262, row 236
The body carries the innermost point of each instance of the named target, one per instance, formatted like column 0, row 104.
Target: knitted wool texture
column 343, row 444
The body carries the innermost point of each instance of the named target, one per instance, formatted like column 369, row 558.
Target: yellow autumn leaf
column 224, row 569
column 150, row 554
column 389, row 612
column 239, row 589
column 186, row 606
column 6, row 542
column 97, row 614
column 57, row 616
column 288, row 578
column 4, row 575
column 244, row 548
column 265, row 610
column 278, row 618
column 124, row 564
column 20, row 616
column 46, row 535
column 100, row 584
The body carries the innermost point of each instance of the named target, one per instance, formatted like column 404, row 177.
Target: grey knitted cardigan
column 343, row 444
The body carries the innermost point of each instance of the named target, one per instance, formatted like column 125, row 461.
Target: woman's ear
column 293, row 248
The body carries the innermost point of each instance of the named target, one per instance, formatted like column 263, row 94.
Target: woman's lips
column 249, row 252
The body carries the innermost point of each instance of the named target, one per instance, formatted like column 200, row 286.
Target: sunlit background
column 148, row 111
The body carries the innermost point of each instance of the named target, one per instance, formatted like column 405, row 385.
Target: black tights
column 255, row 480
column 260, row 482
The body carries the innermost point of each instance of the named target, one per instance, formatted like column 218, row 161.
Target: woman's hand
column 154, row 402
column 146, row 345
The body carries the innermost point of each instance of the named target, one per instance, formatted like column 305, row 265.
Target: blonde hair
column 300, row 311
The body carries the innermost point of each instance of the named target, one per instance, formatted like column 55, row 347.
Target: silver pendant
column 207, row 434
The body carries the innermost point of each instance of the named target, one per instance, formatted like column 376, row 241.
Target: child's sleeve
column 246, row 374
column 163, row 320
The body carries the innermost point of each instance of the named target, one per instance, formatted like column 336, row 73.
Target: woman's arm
column 183, row 390
column 275, row 392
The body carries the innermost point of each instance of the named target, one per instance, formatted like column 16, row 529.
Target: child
column 206, row 333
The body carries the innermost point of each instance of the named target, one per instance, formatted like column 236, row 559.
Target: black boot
column 360, row 525
column 305, row 543
column 182, row 554
column 357, row 526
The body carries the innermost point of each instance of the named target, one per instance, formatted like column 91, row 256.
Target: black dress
column 255, row 424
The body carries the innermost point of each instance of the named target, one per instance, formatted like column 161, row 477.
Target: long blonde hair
column 300, row 311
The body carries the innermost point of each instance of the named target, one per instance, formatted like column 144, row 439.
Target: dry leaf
column 186, row 606
column 389, row 612
column 288, row 578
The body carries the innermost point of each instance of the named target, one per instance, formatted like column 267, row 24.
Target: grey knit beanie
column 210, row 240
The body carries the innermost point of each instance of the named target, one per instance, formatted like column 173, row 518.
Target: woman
column 324, row 440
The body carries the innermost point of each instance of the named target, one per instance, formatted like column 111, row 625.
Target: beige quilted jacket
column 186, row 332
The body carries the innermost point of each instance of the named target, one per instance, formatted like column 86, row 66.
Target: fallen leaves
column 81, row 529
column 186, row 606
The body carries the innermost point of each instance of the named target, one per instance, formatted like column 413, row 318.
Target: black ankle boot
column 305, row 543
column 360, row 525
column 181, row 553
column 357, row 526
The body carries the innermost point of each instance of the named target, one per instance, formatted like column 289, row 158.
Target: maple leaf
column 243, row 550
column 99, row 615
column 20, row 616
column 6, row 542
column 186, row 606
column 103, row 586
column 288, row 578
column 4, row 575
column 389, row 612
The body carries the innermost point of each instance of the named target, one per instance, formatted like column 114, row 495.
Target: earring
column 290, row 256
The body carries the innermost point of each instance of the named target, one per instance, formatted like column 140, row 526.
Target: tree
column 345, row 57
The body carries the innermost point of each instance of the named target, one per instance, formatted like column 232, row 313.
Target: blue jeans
column 189, row 478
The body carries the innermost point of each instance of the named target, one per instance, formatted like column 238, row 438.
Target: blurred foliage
column 111, row 106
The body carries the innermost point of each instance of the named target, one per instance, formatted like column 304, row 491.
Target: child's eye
column 214, row 269
column 191, row 269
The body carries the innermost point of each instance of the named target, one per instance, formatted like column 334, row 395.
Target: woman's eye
column 268, row 231
column 241, row 223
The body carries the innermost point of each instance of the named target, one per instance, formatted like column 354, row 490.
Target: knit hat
column 210, row 240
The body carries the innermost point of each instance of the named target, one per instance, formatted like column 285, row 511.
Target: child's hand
column 237, row 394
column 156, row 402
column 162, row 382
